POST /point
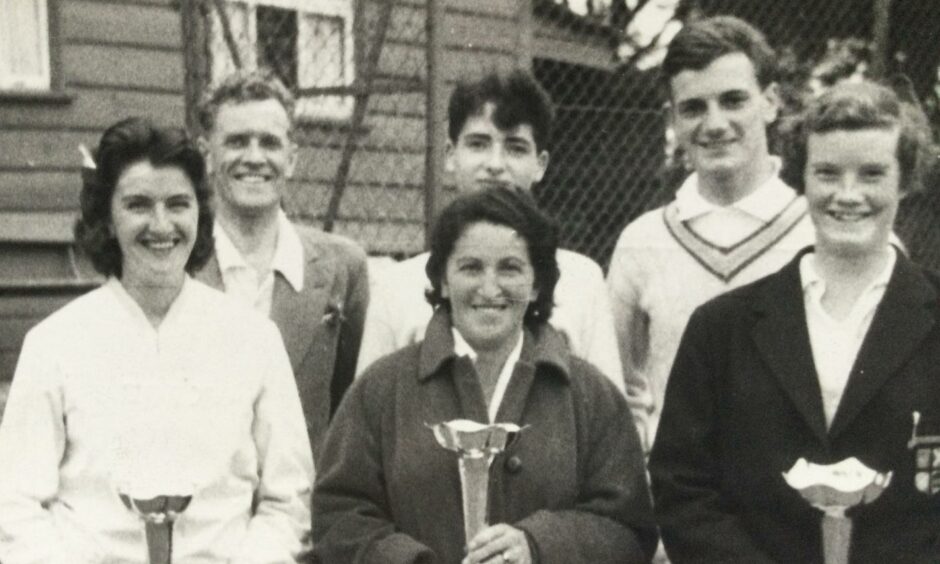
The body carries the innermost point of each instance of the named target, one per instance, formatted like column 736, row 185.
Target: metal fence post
column 434, row 131
column 881, row 29
column 192, row 20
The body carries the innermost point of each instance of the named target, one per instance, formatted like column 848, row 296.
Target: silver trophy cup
column 476, row 445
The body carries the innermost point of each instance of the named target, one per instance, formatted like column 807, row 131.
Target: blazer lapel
column 782, row 339
column 904, row 317
column 298, row 314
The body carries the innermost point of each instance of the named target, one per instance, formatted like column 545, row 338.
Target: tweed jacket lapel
column 297, row 314
column 904, row 317
column 782, row 339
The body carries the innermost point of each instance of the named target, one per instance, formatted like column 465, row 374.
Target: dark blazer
column 321, row 325
column 743, row 403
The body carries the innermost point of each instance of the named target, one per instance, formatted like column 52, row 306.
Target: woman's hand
column 499, row 544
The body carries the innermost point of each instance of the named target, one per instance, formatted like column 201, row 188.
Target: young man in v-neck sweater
column 732, row 221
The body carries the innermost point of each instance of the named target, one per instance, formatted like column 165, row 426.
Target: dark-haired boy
column 498, row 129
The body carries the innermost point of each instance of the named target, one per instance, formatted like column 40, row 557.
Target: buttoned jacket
column 321, row 325
column 743, row 404
column 573, row 479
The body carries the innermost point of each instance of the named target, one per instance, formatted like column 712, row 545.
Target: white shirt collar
column 288, row 256
column 463, row 348
column 136, row 312
column 813, row 282
column 764, row 203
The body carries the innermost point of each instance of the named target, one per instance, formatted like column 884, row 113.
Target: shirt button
column 513, row 465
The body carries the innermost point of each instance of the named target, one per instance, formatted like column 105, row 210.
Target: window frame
column 55, row 93
column 308, row 110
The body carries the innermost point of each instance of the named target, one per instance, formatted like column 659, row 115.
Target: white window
column 24, row 45
column 309, row 43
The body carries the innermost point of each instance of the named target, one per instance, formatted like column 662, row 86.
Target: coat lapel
column 782, row 339
column 298, row 314
column 904, row 317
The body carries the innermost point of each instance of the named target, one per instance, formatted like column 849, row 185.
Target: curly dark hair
column 701, row 42
column 857, row 106
column 513, row 208
column 126, row 142
column 518, row 99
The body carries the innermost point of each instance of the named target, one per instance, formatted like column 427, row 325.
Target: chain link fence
column 611, row 160
column 360, row 68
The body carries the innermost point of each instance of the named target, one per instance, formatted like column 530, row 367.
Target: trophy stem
column 475, row 481
column 159, row 542
column 837, row 537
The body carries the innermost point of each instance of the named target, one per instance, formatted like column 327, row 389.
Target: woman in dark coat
column 570, row 489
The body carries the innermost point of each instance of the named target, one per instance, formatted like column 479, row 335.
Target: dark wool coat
column 743, row 404
column 573, row 479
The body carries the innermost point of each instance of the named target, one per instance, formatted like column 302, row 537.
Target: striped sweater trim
column 726, row 262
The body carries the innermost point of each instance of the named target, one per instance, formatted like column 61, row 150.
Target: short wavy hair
column 700, row 42
column 518, row 99
column 124, row 143
column 245, row 86
column 860, row 106
column 514, row 208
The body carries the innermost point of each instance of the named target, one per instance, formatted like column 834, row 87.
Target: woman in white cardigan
column 152, row 387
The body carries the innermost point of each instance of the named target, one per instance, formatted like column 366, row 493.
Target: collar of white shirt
column 764, row 203
column 288, row 254
column 814, row 286
column 463, row 348
column 136, row 312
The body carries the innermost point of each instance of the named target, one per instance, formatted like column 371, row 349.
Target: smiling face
column 490, row 282
column 154, row 217
column 250, row 157
column 853, row 189
column 720, row 115
column 485, row 155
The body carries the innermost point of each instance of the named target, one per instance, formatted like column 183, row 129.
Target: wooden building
column 87, row 63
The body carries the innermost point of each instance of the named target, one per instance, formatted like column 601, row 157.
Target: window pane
column 325, row 59
column 24, row 45
column 308, row 43
column 277, row 42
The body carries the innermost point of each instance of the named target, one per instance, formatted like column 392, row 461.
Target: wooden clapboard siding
column 116, row 58
column 125, row 57
column 363, row 202
column 94, row 108
column 129, row 23
column 386, row 181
